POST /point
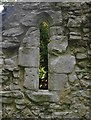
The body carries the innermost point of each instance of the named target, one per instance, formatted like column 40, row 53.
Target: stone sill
column 44, row 96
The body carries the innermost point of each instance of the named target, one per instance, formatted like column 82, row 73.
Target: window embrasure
column 43, row 68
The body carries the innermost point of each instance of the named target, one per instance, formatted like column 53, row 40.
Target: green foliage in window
column 44, row 40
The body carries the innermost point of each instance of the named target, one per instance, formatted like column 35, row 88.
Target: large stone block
column 43, row 96
column 31, row 80
column 57, row 81
column 58, row 44
column 29, row 57
column 56, row 16
column 32, row 39
column 56, row 30
column 62, row 64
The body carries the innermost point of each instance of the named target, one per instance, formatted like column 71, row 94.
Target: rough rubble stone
column 81, row 56
column 74, row 23
column 72, row 77
column 10, row 42
column 13, row 32
column 9, row 64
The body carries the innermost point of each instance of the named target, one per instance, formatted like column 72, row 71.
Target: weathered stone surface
column 57, row 45
column 32, row 39
column 62, row 64
column 13, row 32
column 74, row 23
column 69, row 69
column 81, row 56
column 75, row 37
column 31, row 80
column 10, row 42
column 72, row 77
column 43, row 96
column 56, row 31
column 9, row 64
column 1, row 63
column 29, row 57
column 57, row 81
column 28, row 20
column 14, row 87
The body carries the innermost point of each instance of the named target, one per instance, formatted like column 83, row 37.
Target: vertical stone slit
column 43, row 68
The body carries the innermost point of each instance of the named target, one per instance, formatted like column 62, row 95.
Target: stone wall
column 69, row 61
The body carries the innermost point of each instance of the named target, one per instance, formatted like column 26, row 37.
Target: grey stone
column 75, row 33
column 31, row 80
column 57, row 81
column 74, row 22
column 90, row 45
column 20, row 101
column 85, row 30
column 43, row 96
column 13, row 32
column 85, row 83
column 14, row 87
column 11, row 42
column 72, row 77
column 29, row 57
column 20, row 107
column 16, row 74
column 9, row 64
column 74, row 37
column 18, row 94
column 57, row 45
column 81, row 56
column 56, row 30
column 62, row 64
column 1, row 63
column 82, row 64
column 79, row 50
column 89, row 52
column 32, row 39
column 28, row 20
column 7, row 100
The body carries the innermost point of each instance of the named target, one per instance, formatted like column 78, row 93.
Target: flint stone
column 57, row 81
column 29, row 57
column 13, row 32
column 62, row 64
column 31, row 80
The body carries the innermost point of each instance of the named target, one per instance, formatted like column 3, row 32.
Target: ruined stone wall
column 69, row 61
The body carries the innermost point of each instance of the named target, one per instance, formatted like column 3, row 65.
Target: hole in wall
column 43, row 68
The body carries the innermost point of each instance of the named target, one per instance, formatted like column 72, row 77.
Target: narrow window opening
column 43, row 68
